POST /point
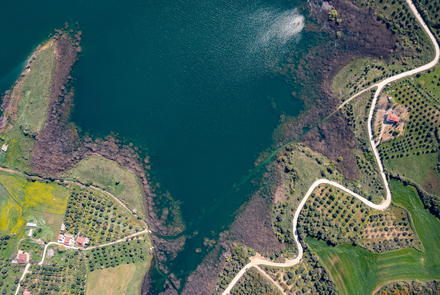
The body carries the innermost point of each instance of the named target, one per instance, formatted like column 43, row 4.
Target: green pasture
column 111, row 177
column 20, row 149
column 35, row 91
column 357, row 271
column 418, row 168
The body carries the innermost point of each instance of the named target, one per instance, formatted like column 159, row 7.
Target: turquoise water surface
column 194, row 82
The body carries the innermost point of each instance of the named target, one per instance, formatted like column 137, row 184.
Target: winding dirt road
column 144, row 231
column 257, row 260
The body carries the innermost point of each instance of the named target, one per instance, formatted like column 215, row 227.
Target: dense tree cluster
column 4, row 241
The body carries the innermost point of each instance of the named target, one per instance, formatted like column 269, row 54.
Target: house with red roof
column 83, row 241
column 392, row 118
column 26, row 292
column 67, row 239
column 23, row 257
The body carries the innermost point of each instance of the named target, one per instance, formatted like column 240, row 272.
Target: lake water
column 194, row 82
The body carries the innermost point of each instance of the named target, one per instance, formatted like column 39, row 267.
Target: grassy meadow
column 32, row 96
column 357, row 271
column 111, row 177
column 19, row 151
column 122, row 279
column 110, row 281
column 34, row 93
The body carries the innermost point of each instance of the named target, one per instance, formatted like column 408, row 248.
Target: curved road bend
column 255, row 261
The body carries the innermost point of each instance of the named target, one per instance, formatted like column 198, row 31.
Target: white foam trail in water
column 256, row 37
column 284, row 27
column 277, row 28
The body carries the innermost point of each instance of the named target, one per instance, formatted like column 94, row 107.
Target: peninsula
column 345, row 200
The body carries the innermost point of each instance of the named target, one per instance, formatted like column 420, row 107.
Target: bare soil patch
column 280, row 194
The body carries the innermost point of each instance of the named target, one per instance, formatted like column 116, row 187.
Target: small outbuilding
column 4, row 148
column 31, row 224
column 392, row 118
column 50, row 253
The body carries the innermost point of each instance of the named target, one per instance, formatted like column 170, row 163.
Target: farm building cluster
column 69, row 240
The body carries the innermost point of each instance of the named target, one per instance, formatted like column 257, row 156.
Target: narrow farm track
column 263, row 273
column 258, row 260
column 144, row 231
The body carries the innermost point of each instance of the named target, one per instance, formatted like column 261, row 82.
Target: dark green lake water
column 192, row 81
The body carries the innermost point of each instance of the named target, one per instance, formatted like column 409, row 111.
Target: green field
column 431, row 82
column 111, row 177
column 19, row 151
column 357, row 271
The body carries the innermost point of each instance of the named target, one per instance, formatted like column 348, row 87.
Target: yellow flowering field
column 19, row 198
